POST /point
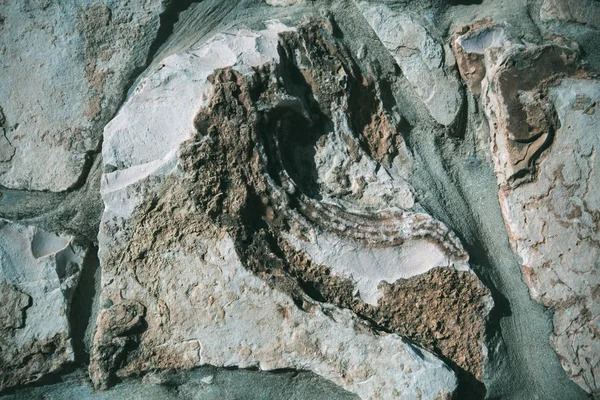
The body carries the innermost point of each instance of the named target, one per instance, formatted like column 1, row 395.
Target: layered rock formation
column 380, row 199
column 283, row 167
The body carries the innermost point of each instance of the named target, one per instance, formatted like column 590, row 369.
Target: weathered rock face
column 545, row 132
column 553, row 225
column 303, row 175
column 319, row 189
column 38, row 274
column 64, row 68
column 581, row 11
column 427, row 64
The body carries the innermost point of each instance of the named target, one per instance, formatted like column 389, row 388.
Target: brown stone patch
column 33, row 360
column 233, row 183
column 12, row 307
column 443, row 310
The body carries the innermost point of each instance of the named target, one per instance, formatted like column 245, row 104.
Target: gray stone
column 38, row 274
column 65, row 67
column 581, row 11
column 427, row 64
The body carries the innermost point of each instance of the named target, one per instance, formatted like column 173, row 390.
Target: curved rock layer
column 385, row 198
column 304, row 174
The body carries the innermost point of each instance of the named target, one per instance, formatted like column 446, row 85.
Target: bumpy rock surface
column 545, row 132
column 64, row 67
column 303, row 174
column 38, row 274
column 581, row 11
column 299, row 199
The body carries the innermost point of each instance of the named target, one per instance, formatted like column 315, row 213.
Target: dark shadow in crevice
column 168, row 19
column 81, row 312
column 48, row 379
column 464, row 2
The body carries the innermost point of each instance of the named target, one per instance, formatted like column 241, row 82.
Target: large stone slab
column 236, row 174
column 64, row 68
column 38, row 274
column 545, row 134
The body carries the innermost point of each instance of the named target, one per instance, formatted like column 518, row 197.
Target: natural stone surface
column 283, row 3
column 553, row 223
column 581, row 11
column 64, row 68
column 427, row 64
column 469, row 45
column 545, row 135
column 165, row 333
column 279, row 197
column 258, row 174
column 204, row 383
column 38, row 273
column 523, row 117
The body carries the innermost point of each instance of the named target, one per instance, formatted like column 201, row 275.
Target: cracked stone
column 38, row 274
column 542, row 112
column 218, row 218
column 64, row 71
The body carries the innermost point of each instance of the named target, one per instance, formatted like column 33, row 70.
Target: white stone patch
column 360, row 181
column 487, row 37
column 247, row 324
column 420, row 57
column 44, row 266
column 144, row 138
column 368, row 266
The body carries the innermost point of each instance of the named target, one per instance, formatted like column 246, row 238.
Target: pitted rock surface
column 253, row 171
column 545, row 160
column 299, row 199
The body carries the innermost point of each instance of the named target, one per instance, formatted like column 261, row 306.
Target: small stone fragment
column 38, row 274
column 421, row 58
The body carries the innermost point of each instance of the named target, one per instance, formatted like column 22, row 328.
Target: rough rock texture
column 38, row 274
column 283, row 3
column 299, row 199
column 258, row 173
column 80, row 57
column 545, row 133
column 581, row 11
column 469, row 45
column 427, row 64
column 553, row 224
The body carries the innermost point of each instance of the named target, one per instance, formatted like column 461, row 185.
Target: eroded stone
column 427, row 64
column 522, row 116
column 545, row 128
column 38, row 274
column 64, row 70
column 256, row 175
column 469, row 45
